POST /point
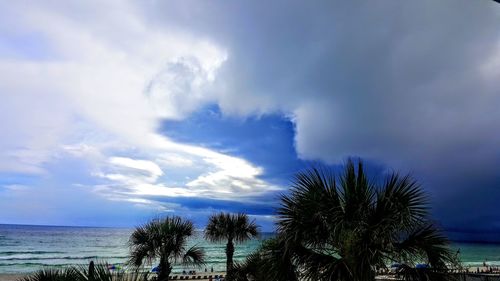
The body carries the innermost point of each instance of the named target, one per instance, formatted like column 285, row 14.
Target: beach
column 205, row 275
column 201, row 275
column 10, row 277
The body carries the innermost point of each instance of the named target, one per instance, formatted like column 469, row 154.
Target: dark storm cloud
column 414, row 85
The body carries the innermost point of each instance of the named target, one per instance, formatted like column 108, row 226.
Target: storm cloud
column 414, row 85
column 411, row 85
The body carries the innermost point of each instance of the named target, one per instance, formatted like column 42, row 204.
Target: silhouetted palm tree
column 270, row 262
column 343, row 228
column 53, row 274
column 102, row 272
column 233, row 228
column 165, row 240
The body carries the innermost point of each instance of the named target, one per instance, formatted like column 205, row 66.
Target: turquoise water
column 27, row 248
column 474, row 254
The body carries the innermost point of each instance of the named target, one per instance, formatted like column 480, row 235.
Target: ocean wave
column 29, row 252
column 63, row 258
column 38, row 264
column 480, row 264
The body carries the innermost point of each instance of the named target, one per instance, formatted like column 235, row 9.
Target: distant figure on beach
column 205, row 269
column 212, row 269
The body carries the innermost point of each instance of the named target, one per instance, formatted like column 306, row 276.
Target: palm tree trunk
column 229, row 258
column 164, row 270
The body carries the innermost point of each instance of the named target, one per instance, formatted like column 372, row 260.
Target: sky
column 115, row 112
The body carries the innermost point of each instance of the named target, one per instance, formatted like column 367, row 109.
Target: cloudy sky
column 113, row 112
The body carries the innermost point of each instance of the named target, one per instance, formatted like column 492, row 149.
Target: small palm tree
column 99, row 272
column 53, row 274
column 344, row 228
column 164, row 239
column 231, row 228
column 102, row 272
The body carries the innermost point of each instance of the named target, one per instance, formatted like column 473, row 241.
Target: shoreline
column 204, row 275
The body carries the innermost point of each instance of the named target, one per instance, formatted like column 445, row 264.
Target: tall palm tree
column 164, row 239
column 233, row 228
column 344, row 228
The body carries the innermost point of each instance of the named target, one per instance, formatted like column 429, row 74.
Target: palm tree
column 53, row 274
column 270, row 262
column 102, row 272
column 344, row 228
column 231, row 228
column 164, row 239
column 99, row 272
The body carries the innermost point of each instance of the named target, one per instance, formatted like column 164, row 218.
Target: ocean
column 27, row 248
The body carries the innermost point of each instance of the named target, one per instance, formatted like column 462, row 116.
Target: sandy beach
column 202, row 275
column 10, row 277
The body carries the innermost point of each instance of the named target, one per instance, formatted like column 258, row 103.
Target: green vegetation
column 329, row 227
column 271, row 262
column 99, row 272
column 51, row 274
column 164, row 239
column 345, row 228
column 233, row 228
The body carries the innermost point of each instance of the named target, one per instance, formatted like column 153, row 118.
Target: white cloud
column 148, row 169
column 99, row 91
column 411, row 84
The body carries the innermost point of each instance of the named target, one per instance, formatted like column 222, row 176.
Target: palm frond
column 426, row 242
column 194, row 256
column 357, row 192
column 53, row 274
column 244, row 229
column 307, row 213
column 321, row 266
column 164, row 239
column 217, row 226
column 271, row 262
column 342, row 228
column 401, row 202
